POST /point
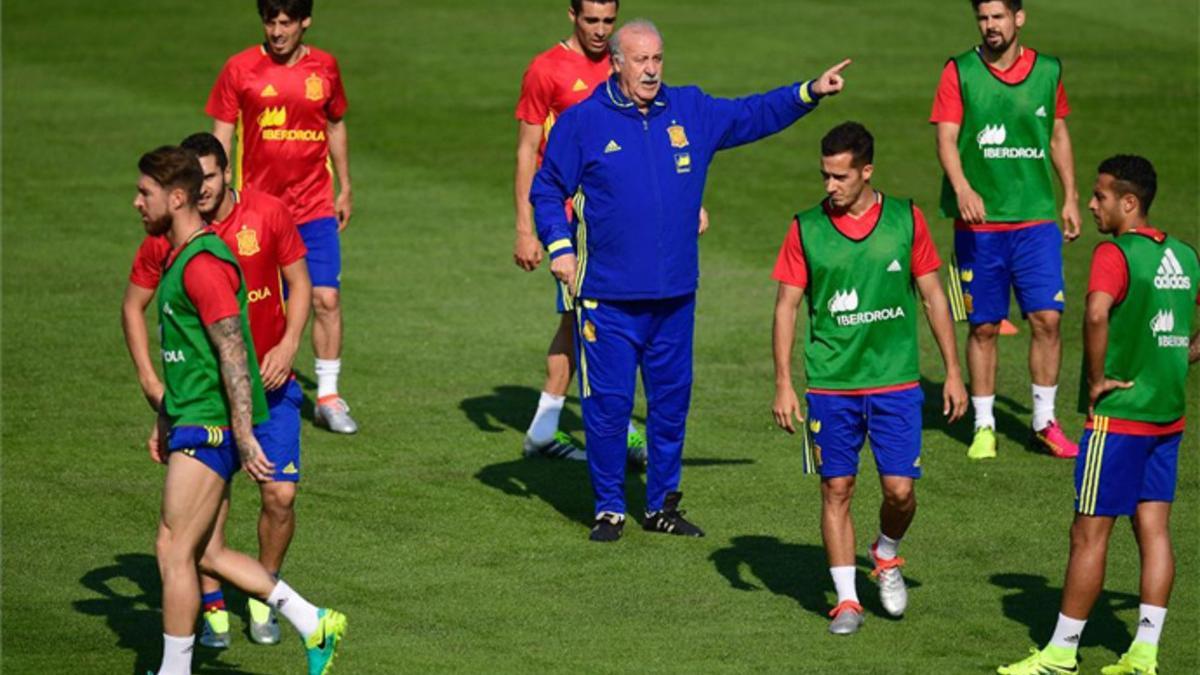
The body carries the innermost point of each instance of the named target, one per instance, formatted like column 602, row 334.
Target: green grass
column 447, row 551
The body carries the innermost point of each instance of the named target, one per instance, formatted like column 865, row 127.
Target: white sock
column 299, row 612
column 843, row 581
column 1150, row 623
column 327, row 376
column 545, row 420
column 1043, row 406
column 632, row 429
column 177, row 655
column 886, row 548
column 984, row 417
column 1067, row 632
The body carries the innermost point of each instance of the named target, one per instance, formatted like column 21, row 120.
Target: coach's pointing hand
column 831, row 81
column 563, row 268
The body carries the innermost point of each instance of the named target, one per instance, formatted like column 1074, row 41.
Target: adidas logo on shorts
column 1170, row 274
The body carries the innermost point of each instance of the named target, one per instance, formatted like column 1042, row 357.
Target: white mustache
column 649, row 80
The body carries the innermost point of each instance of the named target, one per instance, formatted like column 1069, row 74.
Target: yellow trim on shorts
column 1092, row 465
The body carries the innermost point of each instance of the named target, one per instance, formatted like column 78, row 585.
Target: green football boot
column 322, row 645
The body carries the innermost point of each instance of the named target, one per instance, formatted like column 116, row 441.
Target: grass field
column 446, row 549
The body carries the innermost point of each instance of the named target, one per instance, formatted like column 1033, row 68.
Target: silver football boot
column 335, row 416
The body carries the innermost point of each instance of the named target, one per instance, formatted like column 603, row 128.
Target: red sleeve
column 1061, row 107
column 212, row 287
column 790, row 268
column 534, row 105
column 947, row 102
column 148, row 262
column 335, row 107
column 223, row 103
column 1109, row 273
column 924, row 254
column 289, row 247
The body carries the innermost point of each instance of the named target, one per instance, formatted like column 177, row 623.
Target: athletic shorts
column 324, row 256
column 892, row 421
column 1114, row 472
column 1027, row 260
column 279, row 436
column 562, row 300
column 212, row 446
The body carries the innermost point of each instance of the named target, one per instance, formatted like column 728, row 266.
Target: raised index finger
column 836, row 70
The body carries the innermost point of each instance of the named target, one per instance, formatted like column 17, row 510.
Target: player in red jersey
column 1000, row 112
column 211, row 401
column 285, row 101
column 556, row 79
column 258, row 229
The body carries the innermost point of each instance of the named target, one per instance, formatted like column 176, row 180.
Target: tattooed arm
column 226, row 335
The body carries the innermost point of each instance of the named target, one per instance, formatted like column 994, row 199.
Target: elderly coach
column 634, row 155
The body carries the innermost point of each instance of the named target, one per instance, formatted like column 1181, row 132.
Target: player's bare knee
column 900, row 496
column 326, row 301
column 984, row 332
column 1045, row 325
column 837, row 492
column 278, row 501
column 1088, row 533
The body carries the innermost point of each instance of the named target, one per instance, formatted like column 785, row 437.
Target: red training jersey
column 262, row 236
column 791, row 269
column 282, row 115
column 948, row 107
column 1110, row 274
column 555, row 80
column 211, row 284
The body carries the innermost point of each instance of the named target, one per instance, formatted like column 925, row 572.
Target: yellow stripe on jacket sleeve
column 556, row 246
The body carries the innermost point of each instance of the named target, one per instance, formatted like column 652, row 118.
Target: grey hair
column 635, row 26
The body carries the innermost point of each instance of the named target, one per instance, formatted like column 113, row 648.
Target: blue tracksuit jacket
column 638, row 181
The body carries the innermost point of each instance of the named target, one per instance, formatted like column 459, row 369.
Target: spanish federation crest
column 314, row 87
column 678, row 136
column 247, row 241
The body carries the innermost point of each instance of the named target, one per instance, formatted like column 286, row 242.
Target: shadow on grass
column 512, row 407
column 1034, row 603
column 1008, row 424
column 565, row 485
column 307, row 403
column 796, row 571
column 135, row 616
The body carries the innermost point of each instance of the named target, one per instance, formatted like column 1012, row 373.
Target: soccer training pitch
column 447, row 550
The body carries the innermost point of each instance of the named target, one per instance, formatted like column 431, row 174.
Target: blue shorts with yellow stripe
column 212, row 446
column 1114, row 472
column 840, row 424
column 279, row 437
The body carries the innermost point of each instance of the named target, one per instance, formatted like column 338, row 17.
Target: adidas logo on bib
column 1170, row 274
column 894, row 267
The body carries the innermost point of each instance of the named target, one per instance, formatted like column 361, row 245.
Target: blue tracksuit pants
column 614, row 339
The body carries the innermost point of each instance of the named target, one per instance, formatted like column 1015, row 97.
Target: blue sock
column 214, row 601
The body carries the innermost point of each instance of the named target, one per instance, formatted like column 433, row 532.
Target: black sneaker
column 670, row 519
column 607, row 527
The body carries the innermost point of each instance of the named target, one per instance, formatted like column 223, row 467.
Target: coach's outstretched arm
column 744, row 120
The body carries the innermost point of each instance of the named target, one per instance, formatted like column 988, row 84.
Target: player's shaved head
column 1132, row 175
column 174, row 168
column 294, row 9
column 853, row 138
column 577, row 5
column 205, row 144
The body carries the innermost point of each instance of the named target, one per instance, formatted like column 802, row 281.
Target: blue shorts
column 891, row 420
column 1114, row 472
column 324, row 251
column 1028, row 260
column 212, row 446
column 279, row 436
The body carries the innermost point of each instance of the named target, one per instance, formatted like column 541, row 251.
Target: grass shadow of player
column 1007, row 423
column 128, row 595
column 1034, row 603
column 512, row 407
column 788, row 570
column 565, row 485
